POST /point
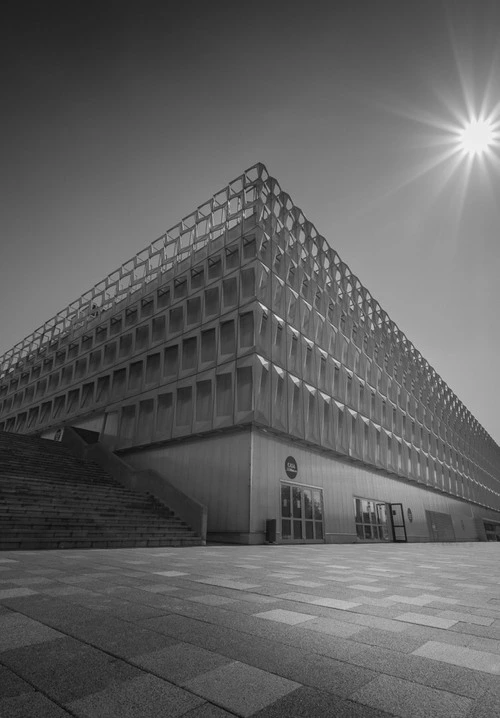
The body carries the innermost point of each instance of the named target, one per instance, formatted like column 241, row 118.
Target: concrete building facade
column 240, row 357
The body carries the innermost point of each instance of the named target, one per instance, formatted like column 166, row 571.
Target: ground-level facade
column 249, row 477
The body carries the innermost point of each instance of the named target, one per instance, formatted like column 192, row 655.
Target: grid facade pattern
column 243, row 313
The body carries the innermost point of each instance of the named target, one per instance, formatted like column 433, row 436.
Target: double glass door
column 372, row 520
column 301, row 513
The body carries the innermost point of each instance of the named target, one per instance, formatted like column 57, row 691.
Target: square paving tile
column 17, row 631
column 211, row 599
column 426, row 620
column 67, row 669
column 411, row 700
column 31, row 705
column 282, row 616
column 145, row 696
column 460, row 656
column 332, row 627
column 12, row 685
column 180, row 662
column 241, row 688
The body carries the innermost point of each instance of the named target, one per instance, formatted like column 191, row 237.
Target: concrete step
column 50, row 499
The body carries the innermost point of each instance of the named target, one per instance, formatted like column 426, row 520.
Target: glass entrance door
column 371, row 520
column 301, row 513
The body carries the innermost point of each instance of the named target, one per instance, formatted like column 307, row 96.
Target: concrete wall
column 214, row 470
column 341, row 482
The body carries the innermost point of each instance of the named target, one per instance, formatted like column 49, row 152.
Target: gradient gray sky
column 120, row 118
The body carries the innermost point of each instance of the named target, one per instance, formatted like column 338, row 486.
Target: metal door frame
column 399, row 525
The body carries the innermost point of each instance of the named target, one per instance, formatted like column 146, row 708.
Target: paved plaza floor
column 406, row 630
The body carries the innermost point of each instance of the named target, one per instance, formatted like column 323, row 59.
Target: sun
column 477, row 137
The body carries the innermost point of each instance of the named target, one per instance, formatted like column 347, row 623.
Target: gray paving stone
column 306, row 702
column 17, row 631
column 460, row 656
column 146, row 696
column 332, row 627
column 208, row 710
column 180, row 662
column 488, row 704
column 12, row 685
column 289, row 617
column 425, row 620
column 410, row 700
column 241, row 688
column 15, row 592
column 67, row 669
column 31, row 705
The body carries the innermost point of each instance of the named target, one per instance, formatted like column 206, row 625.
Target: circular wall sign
column 410, row 515
column 291, row 467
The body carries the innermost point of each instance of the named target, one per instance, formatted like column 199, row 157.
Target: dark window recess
column 135, row 375
column 67, row 374
column 54, row 381
column 232, row 257
column 244, row 388
column 102, row 393
column 80, row 368
column 95, row 360
column 46, row 411
column 197, row 277
column 164, row 413
column 142, row 337
column 208, row 348
column 194, row 310
column 159, row 328
column 248, row 283
column 147, row 307
column 41, row 387
column 184, row 406
column 87, row 395
column 119, row 379
column 163, row 297
column 35, row 373
column 203, row 400
column 211, row 301
column 101, row 334
column 227, row 337
column 87, row 342
column 171, row 363
column 247, row 338
column 229, row 292
column 125, row 345
column 110, row 353
column 73, row 400
column 176, row 320
column 153, row 368
column 131, row 316
column 249, row 247
column 189, row 359
column 214, row 267
column 115, row 326
column 180, row 287
column 224, row 394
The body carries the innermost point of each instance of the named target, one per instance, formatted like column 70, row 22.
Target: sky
column 120, row 118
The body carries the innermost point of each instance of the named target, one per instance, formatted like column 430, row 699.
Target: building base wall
column 238, row 475
column 428, row 515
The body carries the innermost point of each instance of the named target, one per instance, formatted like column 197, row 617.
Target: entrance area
column 372, row 520
column 301, row 514
column 379, row 521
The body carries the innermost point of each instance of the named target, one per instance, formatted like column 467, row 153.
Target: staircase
column 49, row 499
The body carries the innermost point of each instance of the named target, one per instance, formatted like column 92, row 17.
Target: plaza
column 408, row 630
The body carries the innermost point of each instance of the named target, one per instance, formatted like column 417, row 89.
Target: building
column 239, row 357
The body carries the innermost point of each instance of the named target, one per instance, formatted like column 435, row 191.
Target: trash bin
column 271, row 530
